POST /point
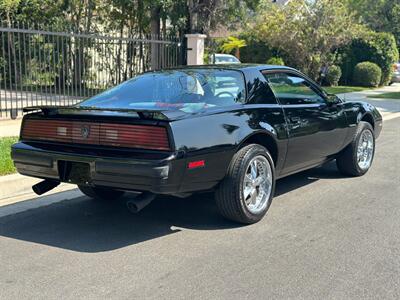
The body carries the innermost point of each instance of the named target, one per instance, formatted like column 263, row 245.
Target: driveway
column 326, row 236
column 384, row 105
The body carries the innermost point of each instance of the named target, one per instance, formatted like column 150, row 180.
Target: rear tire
column 351, row 160
column 235, row 196
column 101, row 193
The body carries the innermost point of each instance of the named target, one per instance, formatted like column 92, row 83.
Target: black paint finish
column 297, row 136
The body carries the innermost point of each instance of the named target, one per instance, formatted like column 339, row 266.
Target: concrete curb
column 16, row 185
column 28, row 201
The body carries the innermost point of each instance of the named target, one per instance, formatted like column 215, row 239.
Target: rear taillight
column 47, row 130
column 104, row 134
column 134, row 136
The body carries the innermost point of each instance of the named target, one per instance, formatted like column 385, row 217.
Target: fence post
column 195, row 48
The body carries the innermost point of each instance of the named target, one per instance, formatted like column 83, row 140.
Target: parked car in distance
column 396, row 73
column 220, row 59
column 232, row 129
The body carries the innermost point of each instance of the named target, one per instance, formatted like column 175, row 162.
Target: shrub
column 367, row 74
column 206, row 57
column 379, row 48
column 256, row 51
column 275, row 61
column 333, row 75
column 6, row 164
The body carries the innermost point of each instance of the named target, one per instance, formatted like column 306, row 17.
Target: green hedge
column 256, row 51
column 367, row 74
column 275, row 61
column 379, row 48
column 333, row 75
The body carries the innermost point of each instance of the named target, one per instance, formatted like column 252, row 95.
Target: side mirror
column 333, row 99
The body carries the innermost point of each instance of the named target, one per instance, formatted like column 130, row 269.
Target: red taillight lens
column 105, row 134
column 134, row 136
column 47, row 130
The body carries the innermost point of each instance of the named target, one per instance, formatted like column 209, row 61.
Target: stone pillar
column 195, row 51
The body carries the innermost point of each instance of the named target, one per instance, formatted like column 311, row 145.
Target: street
column 325, row 236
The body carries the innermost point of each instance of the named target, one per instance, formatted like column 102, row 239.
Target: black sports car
column 229, row 129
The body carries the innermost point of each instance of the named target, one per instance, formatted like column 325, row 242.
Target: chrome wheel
column 365, row 150
column 257, row 184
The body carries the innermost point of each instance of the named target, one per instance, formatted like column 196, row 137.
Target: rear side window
column 292, row 89
column 188, row 90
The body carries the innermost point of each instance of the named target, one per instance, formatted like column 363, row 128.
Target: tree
column 379, row 15
column 377, row 47
column 205, row 15
column 233, row 44
column 306, row 33
column 48, row 12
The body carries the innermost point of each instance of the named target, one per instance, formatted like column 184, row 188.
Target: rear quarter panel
column 216, row 137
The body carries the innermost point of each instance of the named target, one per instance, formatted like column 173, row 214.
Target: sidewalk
column 10, row 127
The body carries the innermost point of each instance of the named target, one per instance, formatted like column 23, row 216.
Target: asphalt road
column 325, row 237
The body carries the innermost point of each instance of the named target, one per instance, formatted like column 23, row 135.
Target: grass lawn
column 344, row 89
column 389, row 95
column 6, row 165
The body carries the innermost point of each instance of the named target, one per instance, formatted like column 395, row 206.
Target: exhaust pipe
column 44, row 186
column 140, row 202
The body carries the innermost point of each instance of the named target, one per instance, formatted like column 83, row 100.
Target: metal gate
column 40, row 67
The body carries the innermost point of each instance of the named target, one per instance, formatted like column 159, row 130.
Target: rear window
column 188, row 90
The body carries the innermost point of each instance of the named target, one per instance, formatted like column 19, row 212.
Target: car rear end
column 396, row 73
column 99, row 150
column 124, row 138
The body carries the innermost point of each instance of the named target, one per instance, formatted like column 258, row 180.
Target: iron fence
column 43, row 67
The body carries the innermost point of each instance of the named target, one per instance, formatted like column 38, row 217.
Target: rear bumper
column 156, row 176
column 396, row 78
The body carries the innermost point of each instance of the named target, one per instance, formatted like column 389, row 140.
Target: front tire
column 246, row 192
column 356, row 158
column 100, row 193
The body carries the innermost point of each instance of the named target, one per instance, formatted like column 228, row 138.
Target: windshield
column 227, row 59
column 188, row 90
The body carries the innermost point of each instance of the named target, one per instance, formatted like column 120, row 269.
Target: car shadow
column 292, row 182
column 86, row 225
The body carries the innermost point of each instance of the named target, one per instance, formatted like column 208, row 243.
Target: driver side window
column 292, row 89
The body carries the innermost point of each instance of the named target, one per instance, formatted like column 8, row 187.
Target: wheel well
column 368, row 118
column 265, row 140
